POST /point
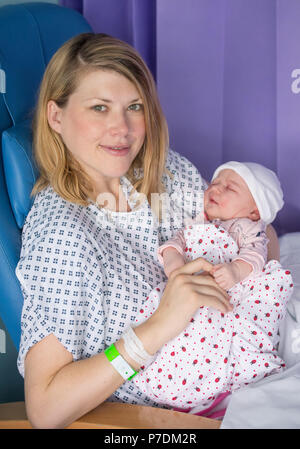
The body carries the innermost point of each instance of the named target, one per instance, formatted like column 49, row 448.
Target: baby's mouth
column 211, row 200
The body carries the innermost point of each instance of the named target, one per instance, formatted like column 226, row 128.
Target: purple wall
column 224, row 78
column 224, row 73
column 190, row 76
column 288, row 109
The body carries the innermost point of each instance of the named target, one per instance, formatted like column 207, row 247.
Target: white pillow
column 289, row 346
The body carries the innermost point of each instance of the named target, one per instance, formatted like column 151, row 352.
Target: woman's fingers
column 201, row 286
column 212, row 295
column 195, row 266
column 185, row 292
column 187, row 272
column 216, row 303
column 209, row 280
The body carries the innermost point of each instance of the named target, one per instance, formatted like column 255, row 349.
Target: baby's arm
column 171, row 253
column 172, row 260
column 252, row 241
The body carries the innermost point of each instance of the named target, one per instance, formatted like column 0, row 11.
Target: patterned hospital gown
column 85, row 273
column 218, row 352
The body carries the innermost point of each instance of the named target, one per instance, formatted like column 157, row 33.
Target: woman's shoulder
column 177, row 162
column 184, row 173
column 50, row 207
column 51, row 216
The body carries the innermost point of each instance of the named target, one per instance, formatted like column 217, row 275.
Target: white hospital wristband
column 134, row 347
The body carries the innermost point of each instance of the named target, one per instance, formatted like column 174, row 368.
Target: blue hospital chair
column 29, row 35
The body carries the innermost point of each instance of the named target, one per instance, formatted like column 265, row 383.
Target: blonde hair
column 80, row 55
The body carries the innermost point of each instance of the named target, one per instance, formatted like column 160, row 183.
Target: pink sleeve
column 252, row 241
column 177, row 242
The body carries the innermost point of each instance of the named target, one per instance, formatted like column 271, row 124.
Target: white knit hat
column 263, row 185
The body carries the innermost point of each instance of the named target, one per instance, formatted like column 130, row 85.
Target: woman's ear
column 54, row 113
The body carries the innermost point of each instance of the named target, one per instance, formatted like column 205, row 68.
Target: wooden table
column 113, row 415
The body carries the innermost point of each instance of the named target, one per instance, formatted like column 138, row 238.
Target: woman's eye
column 136, row 107
column 99, row 108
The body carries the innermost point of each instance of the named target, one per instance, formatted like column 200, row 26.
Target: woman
column 87, row 264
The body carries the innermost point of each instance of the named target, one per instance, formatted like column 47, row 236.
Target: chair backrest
column 29, row 35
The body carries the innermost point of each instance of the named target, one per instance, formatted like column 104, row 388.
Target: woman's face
column 102, row 125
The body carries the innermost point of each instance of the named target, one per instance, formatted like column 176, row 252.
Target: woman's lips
column 116, row 150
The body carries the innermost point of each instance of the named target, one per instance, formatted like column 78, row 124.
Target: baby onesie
column 218, row 352
column 249, row 235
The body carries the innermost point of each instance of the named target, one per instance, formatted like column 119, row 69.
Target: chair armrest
column 114, row 415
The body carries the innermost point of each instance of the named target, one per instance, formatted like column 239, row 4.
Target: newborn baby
column 220, row 352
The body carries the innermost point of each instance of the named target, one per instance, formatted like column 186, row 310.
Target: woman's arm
column 59, row 391
column 273, row 245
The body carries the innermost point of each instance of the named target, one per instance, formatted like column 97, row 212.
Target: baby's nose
column 217, row 188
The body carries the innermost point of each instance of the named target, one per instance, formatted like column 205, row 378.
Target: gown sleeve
column 60, row 277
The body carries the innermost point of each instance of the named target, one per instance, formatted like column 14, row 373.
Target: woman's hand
column 184, row 293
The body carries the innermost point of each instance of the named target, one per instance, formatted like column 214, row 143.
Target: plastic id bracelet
column 117, row 361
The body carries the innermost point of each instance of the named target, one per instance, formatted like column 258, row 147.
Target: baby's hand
column 226, row 275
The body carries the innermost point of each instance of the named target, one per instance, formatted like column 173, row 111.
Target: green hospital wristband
column 117, row 361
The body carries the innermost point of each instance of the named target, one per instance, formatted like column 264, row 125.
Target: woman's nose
column 119, row 125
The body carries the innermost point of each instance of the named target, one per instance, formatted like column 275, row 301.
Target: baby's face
column 229, row 197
